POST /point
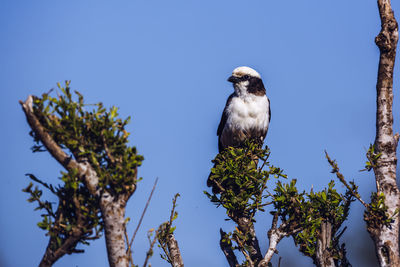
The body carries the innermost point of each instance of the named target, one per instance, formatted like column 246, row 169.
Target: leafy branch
column 308, row 215
column 76, row 220
column 240, row 187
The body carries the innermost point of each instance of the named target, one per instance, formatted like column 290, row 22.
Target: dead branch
column 141, row 218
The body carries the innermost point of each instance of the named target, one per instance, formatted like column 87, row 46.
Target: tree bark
column 113, row 214
column 322, row 254
column 386, row 239
column 275, row 235
column 246, row 226
column 51, row 256
column 174, row 251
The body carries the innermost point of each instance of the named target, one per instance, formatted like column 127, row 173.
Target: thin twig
column 127, row 240
column 259, row 197
column 167, row 240
column 219, row 186
column 262, row 165
column 150, row 251
column 335, row 170
column 173, row 209
column 141, row 217
column 164, row 247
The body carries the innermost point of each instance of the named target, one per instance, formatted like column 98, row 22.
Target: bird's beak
column 233, row 79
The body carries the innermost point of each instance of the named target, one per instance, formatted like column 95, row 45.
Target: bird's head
column 247, row 81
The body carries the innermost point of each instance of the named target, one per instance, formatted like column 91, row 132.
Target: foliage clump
column 97, row 136
column 75, row 219
column 239, row 180
column 241, row 184
column 309, row 212
column 376, row 214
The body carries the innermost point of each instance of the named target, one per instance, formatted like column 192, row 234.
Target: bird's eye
column 246, row 77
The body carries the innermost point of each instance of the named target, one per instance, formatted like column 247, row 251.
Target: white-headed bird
column 247, row 111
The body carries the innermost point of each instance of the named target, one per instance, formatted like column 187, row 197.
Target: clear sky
column 165, row 63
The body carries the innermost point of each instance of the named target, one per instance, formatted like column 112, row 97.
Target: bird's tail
column 213, row 184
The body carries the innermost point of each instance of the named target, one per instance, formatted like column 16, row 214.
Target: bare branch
column 150, row 251
column 275, row 235
column 54, row 149
column 340, row 176
column 141, row 217
column 171, row 217
column 50, row 256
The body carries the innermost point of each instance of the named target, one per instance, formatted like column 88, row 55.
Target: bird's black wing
column 269, row 111
column 224, row 118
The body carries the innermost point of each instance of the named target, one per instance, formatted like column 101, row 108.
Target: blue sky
column 165, row 63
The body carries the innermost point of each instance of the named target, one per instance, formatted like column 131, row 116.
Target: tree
column 101, row 173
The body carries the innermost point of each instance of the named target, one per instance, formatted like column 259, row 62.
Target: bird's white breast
column 251, row 112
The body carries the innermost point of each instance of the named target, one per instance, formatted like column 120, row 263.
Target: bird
column 247, row 112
